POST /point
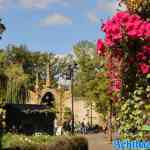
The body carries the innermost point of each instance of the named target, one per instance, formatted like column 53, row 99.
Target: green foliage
column 2, row 62
column 87, row 84
column 42, row 142
column 17, row 79
column 2, row 57
column 12, row 140
column 67, row 113
column 132, row 115
column 19, row 66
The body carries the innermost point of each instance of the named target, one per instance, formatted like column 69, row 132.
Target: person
column 59, row 131
column 66, row 126
column 77, row 127
column 88, row 128
column 83, row 127
column 105, row 128
column 14, row 129
column 55, row 126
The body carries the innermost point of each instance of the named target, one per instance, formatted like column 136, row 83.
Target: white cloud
column 36, row 3
column 45, row 3
column 40, row 4
column 92, row 17
column 103, row 6
column 107, row 6
column 55, row 19
column 3, row 3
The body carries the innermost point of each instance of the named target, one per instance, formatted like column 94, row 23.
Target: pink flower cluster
column 116, row 86
column 123, row 26
column 114, row 63
column 143, row 58
column 124, row 23
column 124, row 32
column 100, row 47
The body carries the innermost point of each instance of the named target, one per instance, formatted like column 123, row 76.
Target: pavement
column 99, row 142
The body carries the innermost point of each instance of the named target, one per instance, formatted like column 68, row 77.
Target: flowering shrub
column 122, row 28
column 127, row 35
column 126, row 48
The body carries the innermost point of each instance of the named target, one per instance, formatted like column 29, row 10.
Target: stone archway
column 48, row 97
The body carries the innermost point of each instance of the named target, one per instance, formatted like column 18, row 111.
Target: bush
column 80, row 143
column 20, row 140
column 43, row 142
column 74, row 143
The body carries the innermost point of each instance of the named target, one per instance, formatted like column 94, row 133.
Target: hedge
column 51, row 143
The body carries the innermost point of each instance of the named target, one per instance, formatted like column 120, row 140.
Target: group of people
column 79, row 127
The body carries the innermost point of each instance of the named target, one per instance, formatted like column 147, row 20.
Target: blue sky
column 53, row 25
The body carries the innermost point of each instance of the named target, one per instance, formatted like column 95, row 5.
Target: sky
column 53, row 25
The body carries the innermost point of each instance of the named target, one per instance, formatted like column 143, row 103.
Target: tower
column 37, row 90
column 48, row 76
column 37, row 82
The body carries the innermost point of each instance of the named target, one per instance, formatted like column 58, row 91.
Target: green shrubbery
column 43, row 142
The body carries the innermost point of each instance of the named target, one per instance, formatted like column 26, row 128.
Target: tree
column 2, row 56
column 3, row 77
column 21, row 64
column 90, row 79
column 67, row 113
column 17, row 80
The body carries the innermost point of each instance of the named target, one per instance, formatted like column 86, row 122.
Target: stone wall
column 82, row 111
column 62, row 100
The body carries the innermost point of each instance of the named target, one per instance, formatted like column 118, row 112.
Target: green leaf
column 148, row 75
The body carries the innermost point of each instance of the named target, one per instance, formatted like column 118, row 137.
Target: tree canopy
column 90, row 81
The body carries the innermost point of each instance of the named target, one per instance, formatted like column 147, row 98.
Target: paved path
column 98, row 142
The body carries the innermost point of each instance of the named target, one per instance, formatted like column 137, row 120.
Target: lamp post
column 70, row 76
column 91, row 115
column 88, row 115
column 110, row 121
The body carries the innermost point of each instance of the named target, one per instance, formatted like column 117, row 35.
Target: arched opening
column 48, row 99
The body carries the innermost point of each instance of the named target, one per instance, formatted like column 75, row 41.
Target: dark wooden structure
column 28, row 119
column 31, row 118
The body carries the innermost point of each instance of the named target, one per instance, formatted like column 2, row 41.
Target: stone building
column 62, row 100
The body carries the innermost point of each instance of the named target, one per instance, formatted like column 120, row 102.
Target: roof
column 28, row 108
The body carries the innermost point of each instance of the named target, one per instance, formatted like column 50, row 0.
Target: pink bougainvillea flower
column 147, row 29
column 117, row 85
column 123, row 16
column 147, row 39
column 133, row 34
column 148, row 26
column 115, row 28
column 144, row 68
column 138, row 24
column 129, row 26
column 146, row 50
column 141, row 56
column 109, row 42
column 100, row 47
column 117, row 37
column 134, row 18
